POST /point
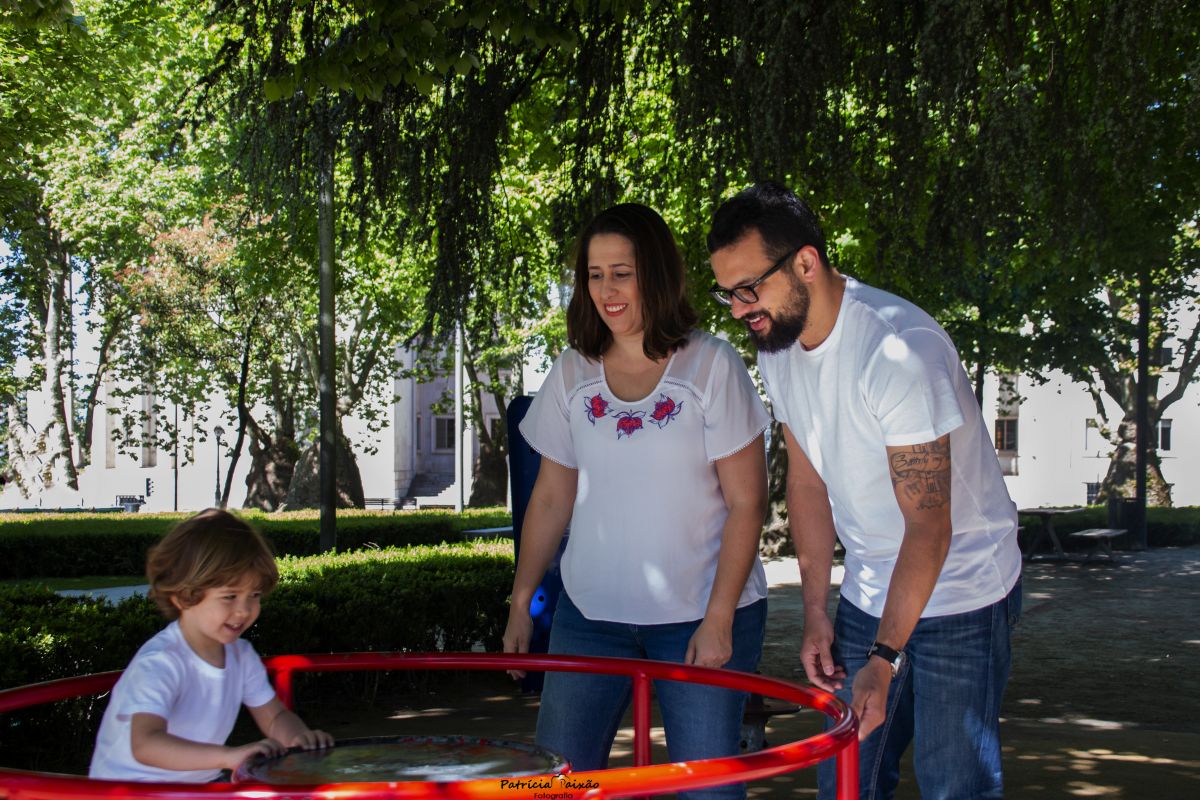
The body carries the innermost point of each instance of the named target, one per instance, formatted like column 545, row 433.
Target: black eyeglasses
column 745, row 293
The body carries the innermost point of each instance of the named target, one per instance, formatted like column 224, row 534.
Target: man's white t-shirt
column 889, row 376
column 649, row 513
column 200, row 703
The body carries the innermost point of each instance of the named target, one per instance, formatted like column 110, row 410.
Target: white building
column 1048, row 444
column 1052, row 450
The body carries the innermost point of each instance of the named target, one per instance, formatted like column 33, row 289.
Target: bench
column 1102, row 537
column 754, row 721
column 381, row 502
column 505, row 531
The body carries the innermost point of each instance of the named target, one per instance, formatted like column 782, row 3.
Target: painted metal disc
column 404, row 758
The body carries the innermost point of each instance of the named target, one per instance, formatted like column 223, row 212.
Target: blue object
column 523, row 465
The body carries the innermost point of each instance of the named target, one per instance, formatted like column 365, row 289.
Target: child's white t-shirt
column 649, row 512
column 200, row 703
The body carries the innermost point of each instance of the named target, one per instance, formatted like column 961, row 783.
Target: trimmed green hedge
column 1165, row 527
column 428, row 598
column 69, row 545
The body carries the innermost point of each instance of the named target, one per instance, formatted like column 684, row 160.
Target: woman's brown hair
column 213, row 548
column 667, row 316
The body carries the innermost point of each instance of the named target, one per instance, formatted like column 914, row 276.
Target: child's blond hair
column 213, row 548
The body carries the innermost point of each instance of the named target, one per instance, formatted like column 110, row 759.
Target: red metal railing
column 839, row 741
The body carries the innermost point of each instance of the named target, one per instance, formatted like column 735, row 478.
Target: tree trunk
column 244, row 421
column 328, row 479
column 491, row 475
column 58, row 433
column 272, row 465
column 490, row 486
column 777, row 538
column 84, row 437
column 305, row 490
column 1121, row 478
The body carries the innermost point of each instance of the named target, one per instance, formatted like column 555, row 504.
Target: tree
column 66, row 86
column 1124, row 107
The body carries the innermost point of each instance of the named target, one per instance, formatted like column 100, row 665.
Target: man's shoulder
column 884, row 313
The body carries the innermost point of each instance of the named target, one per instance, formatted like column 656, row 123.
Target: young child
column 177, row 701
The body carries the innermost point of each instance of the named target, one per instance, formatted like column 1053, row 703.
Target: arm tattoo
column 921, row 474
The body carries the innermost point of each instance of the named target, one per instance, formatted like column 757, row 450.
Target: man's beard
column 786, row 325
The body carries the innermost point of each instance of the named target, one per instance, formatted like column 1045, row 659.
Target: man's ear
column 175, row 601
column 806, row 264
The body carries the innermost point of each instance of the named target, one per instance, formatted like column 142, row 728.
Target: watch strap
column 893, row 657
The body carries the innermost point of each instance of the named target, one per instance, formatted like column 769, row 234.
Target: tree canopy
column 1020, row 169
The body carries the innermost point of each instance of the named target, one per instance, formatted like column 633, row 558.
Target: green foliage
column 68, row 545
column 1013, row 167
column 439, row 597
column 1165, row 527
column 46, row 637
column 445, row 597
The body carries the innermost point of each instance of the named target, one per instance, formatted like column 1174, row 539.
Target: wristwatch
column 894, row 658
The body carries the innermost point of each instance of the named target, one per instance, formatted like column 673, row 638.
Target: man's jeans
column 946, row 698
column 580, row 712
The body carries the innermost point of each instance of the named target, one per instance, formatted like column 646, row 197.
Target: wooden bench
column 383, row 503
column 1102, row 537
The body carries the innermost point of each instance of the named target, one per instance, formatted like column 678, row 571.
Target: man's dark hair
column 781, row 218
column 667, row 317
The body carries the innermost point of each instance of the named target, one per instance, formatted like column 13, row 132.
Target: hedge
column 427, row 598
column 1165, row 527
column 70, row 545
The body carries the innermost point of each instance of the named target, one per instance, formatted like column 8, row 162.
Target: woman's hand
column 517, row 634
column 711, row 645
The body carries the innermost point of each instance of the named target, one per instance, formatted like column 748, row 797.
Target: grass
column 82, row 582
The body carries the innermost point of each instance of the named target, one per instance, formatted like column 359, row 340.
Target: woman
column 651, row 437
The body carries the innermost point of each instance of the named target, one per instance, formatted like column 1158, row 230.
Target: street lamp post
column 218, row 432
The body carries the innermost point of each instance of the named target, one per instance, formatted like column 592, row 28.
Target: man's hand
column 816, row 653
column 870, row 693
column 518, row 634
column 711, row 645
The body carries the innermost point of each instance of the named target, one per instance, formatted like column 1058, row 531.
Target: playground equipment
column 840, row 741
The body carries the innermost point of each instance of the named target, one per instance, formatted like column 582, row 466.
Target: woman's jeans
column 946, row 698
column 580, row 712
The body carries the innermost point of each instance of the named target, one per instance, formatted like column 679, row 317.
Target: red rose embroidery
column 665, row 410
column 629, row 422
column 597, row 406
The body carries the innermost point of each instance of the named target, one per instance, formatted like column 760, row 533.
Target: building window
column 1006, row 434
column 495, row 429
column 1093, row 492
column 418, row 434
column 1162, row 435
column 443, row 433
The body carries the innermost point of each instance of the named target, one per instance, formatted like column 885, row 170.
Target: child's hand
column 311, row 740
column 263, row 747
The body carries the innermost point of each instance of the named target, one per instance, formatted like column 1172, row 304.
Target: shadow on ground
column 1104, row 699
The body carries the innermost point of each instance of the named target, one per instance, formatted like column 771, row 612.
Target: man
column 887, row 450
